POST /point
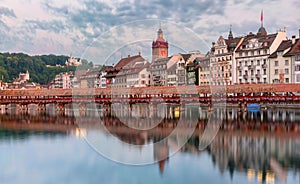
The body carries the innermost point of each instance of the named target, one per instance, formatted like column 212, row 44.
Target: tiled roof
column 160, row 61
column 124, row 61
column 268, row 39
column 295, row 49
column 232, row 43
column 186, row 56
column 285, row 44
column 173, row 67
column 134, row 69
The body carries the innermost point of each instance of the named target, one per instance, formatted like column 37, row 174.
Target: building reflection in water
column 263, row 145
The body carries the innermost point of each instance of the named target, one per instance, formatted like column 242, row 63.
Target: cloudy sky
column 86, row 28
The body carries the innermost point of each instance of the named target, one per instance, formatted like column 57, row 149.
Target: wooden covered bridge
column 233, row 94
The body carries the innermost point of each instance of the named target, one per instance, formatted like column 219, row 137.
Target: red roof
column 232, row 43
column 295, row 49
column 285, row 44
column 125, row 61
column 265, row 40
column 160, row 41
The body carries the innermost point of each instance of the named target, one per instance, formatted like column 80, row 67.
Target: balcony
column 239, row 67
column 257, row 75
column 264, row 66
column 245, row 76
column 250, row 67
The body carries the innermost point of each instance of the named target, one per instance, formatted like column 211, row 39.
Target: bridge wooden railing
column 161, row 90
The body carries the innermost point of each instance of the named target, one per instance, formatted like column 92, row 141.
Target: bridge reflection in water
column 265, row 145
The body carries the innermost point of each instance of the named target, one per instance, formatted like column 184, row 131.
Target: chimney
column 293, row 39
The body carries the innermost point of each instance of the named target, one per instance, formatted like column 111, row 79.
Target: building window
column 258, row 62
column 276, row 63
column 287, row 80
column 265, row 61
column 276, row 72
column 286, row 62
column 297, row 58
column 245, row 63
column 297, row 68
column 265, row 71
column 298, row 78
column 265, row 80
column 286, row 71
column 252, row 53
column 240, row 73
column 240, row 63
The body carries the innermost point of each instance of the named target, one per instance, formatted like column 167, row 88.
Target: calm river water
column 249, row 147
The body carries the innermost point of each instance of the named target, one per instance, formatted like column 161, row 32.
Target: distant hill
column 11, row 64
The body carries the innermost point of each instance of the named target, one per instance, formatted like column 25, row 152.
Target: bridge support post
column 153, row 110
column 210, row 106
column 41, row 107
column 82, row 110
column 61, row 108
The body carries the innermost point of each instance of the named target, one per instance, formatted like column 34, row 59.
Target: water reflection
column 264, row 146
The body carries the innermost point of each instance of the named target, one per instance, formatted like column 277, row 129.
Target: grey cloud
column 3, row 26
column 54, row 26
column 7, row 12
column 101, row 16
column 55, row 10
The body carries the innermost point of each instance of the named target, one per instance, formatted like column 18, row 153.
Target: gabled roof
column 186, row 56
column 285, row 44
column 160, row 61
column 134, row 69
column 295, row 49
column 232, row 43
column 124, row 61
column 265, row 40
column 203, row 61
column 172, row 68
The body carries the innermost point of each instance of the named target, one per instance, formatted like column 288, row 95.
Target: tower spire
column 230, row 35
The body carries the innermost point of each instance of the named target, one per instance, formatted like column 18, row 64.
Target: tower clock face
column 163, row 52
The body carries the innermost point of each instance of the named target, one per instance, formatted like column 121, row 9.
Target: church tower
column 159, row 47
